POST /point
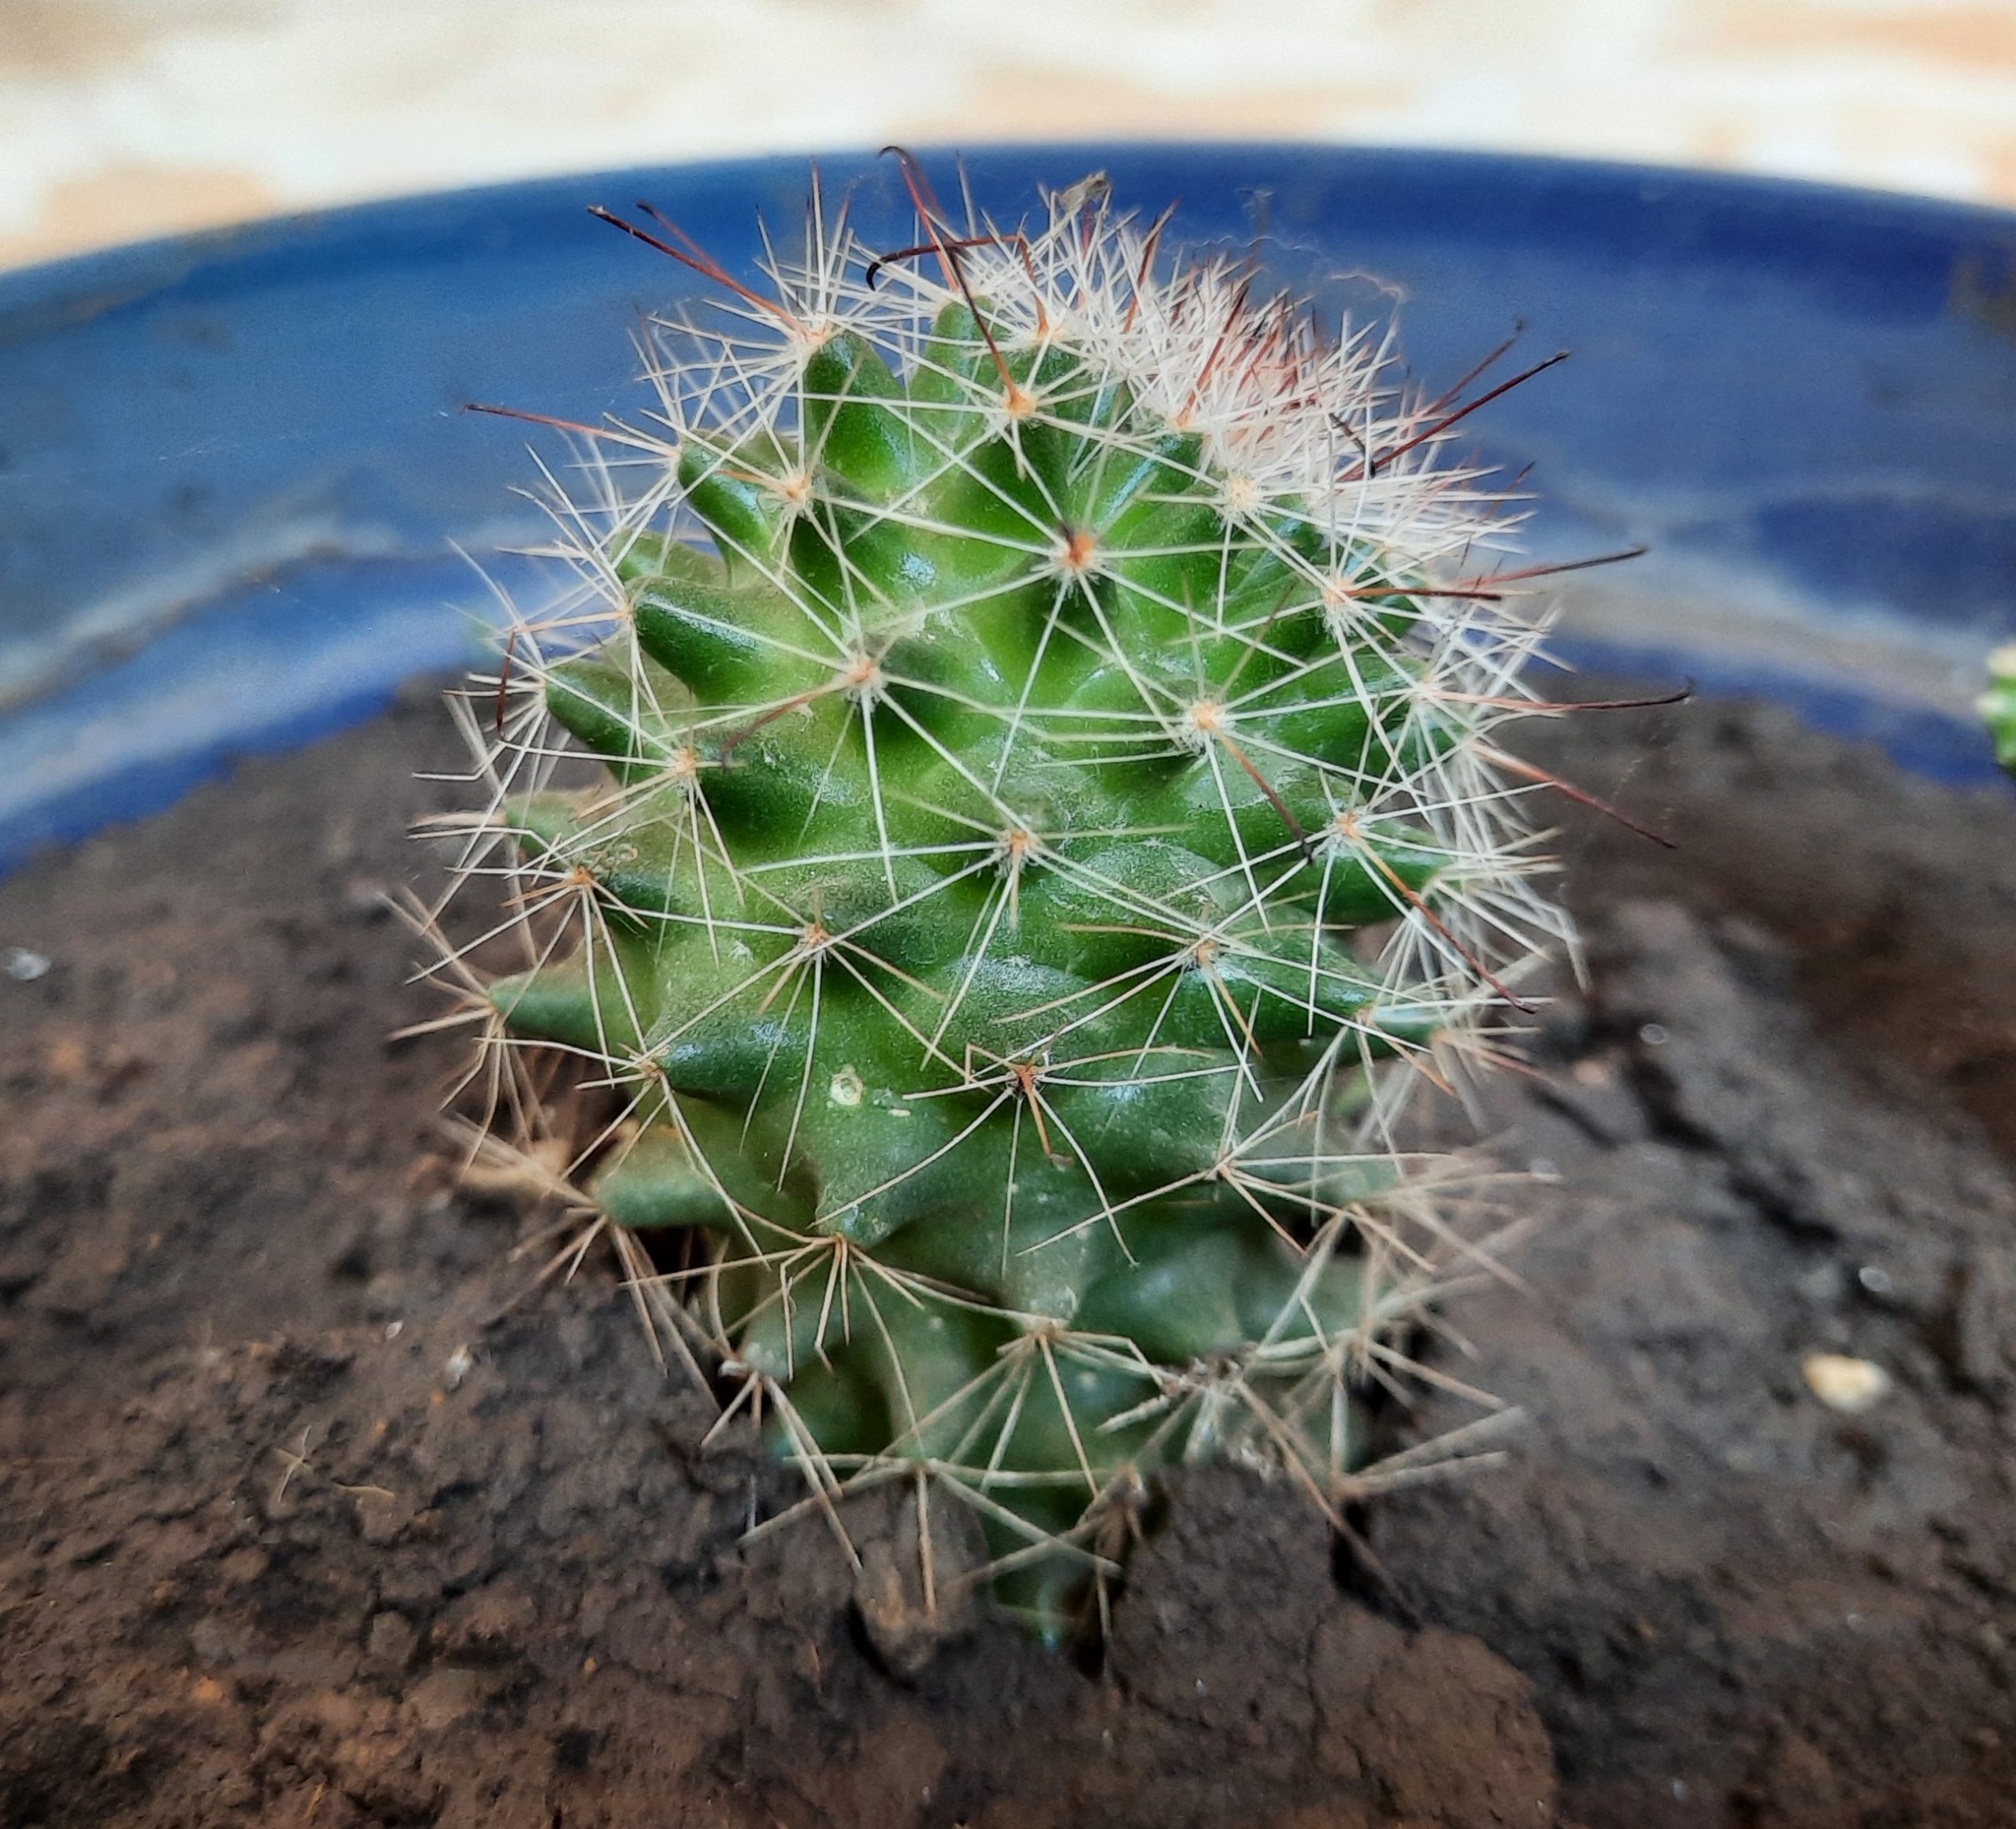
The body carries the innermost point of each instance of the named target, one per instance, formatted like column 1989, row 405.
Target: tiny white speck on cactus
column 1047, row 691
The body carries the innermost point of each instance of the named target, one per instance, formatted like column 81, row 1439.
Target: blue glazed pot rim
column 114, row 273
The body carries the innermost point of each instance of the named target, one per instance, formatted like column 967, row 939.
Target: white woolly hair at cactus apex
column 1047, row 688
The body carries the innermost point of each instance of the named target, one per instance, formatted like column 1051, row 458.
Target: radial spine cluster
column 1050, row 819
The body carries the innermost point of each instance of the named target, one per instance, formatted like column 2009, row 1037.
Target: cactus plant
column 1998, row 705
column 1050, row 820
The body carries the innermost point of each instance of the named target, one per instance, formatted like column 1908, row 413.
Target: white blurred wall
column 120, row 118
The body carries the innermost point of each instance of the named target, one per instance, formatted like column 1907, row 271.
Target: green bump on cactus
column 1998, row 705
column 1050, row 824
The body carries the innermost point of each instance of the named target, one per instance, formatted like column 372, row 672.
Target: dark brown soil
column 310, row 1514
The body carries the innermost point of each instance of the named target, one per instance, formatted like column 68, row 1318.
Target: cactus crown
column 1049, row 824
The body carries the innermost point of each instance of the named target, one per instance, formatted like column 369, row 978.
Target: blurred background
column 125, row 118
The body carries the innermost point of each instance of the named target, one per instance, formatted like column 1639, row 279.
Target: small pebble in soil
column 1853, row 1387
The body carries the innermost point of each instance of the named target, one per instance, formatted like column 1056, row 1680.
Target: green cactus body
column 1046, row 829
column 1998, row 705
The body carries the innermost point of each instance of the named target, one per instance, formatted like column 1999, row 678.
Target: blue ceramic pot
column 234, row 468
